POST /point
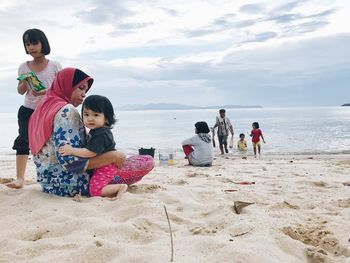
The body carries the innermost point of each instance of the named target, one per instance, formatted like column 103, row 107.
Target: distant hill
column 174, row 106
column 346, row 104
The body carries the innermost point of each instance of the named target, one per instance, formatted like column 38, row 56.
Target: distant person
column 37, row 46
column 242, row 145
column 256, row 133
column 224, row 127
column 198, row 149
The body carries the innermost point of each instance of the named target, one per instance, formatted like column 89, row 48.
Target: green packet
column 33, row 81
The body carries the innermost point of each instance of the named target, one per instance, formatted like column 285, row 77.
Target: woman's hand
column 66, row 149
column 22, row 87
column 116, row 157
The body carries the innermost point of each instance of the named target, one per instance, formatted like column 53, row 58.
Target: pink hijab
column 41, row 121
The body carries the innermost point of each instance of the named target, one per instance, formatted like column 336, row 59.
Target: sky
column 215, row 52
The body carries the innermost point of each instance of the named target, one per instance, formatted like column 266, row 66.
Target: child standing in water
column 242, row 145
column 256, row 133
column 98, row 116
column 36, row 45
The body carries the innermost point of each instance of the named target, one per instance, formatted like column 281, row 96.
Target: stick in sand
column 241, row 234
column 171, row 235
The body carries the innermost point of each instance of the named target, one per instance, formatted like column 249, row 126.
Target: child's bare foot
column 18, row 184
column 123, row 188
column 114, row 190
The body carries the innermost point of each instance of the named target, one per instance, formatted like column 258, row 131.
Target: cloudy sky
column 214, row 52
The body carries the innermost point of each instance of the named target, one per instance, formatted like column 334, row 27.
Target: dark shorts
column 21, row 144
column 222, row 139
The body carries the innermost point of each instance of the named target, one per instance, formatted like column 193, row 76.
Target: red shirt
column 256, row 135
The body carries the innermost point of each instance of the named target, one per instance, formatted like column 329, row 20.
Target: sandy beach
column 300, row 213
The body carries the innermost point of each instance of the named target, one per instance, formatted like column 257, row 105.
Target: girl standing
column 256, row 133
column 36, row 45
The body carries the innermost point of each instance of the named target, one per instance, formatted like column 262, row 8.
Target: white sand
column 301, row 213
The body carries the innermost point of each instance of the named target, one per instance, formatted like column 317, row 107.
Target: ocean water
column 286, row 130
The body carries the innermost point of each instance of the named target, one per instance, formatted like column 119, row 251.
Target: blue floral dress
column 63, row 175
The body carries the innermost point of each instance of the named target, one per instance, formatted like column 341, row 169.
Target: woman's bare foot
column 18, row 184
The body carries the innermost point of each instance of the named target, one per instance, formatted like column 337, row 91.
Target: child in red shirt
column 256, row 133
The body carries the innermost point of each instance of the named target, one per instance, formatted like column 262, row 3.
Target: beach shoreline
column 300, row 213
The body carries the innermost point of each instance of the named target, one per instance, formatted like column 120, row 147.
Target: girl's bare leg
column 21, row 164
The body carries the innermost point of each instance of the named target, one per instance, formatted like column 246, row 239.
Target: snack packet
column 34, row 83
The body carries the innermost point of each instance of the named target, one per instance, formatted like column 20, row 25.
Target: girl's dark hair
column 202, row 127
column 35, row 36
column 100, row 104
column 256, row 125
column 241, row 135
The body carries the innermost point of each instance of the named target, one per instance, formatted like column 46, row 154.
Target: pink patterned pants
column 135, row 167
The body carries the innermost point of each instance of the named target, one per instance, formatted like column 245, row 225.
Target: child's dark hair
column 100, row 104
column 35, row 36
column 202, row 127
column 241, row 135
column 256, row 125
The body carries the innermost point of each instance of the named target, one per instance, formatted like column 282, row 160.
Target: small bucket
column 163, row 159
column 145, row 151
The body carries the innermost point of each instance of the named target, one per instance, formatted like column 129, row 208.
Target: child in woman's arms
column 98, row 116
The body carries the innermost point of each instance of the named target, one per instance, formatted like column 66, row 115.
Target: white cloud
column 172, row 51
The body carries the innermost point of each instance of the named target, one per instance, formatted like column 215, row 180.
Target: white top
column 46, row 76
column 223, row 125
column 203, row 153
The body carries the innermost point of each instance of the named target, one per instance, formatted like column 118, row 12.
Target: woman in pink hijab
column 56, row 122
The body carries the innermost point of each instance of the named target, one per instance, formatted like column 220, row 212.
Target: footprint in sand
column 196, row 174
column 345, row 203
column 319, row 184
column 198, row 230
column 322, row 241
column 284, row 204
column 144, row 188
column 180, row 182
column 36, row 235
column 98, row 243
column 225, row 180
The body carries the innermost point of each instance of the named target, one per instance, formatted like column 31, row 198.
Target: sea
column 306, row 130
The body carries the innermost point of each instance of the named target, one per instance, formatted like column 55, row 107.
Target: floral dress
column 63, row 175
